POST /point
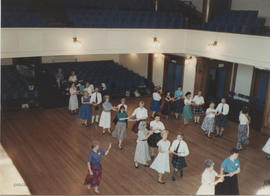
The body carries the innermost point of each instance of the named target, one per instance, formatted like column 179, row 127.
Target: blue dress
column 85, row 110
column 155, row 105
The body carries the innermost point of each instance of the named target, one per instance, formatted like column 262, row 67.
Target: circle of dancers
column 154, row 135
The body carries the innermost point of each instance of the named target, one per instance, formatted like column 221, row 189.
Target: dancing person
column 208, row 179
column 93, row 177
column 162, row 163
column 155, row 104
column 222, row 113
column 187, row 113
column 85, row 109
column 140, row 114
column 266, row 149
column 243, row 129
column 167, row 107
column 178, row 102
column 209, row 120
column 180, row 150
column 156, row 126
column 73, row 78
column 197, row 108
column 59, row 77
column 230, row 168
column 265, row 190
column 89, row 88
column 105, row 118
column 121, row 126
column 96, row 100
column 73, row 99
column 142, row 151
column 123, row 103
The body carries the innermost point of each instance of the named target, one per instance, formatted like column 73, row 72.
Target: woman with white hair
column 208, row 181
column 105, row 118
column 142, row 150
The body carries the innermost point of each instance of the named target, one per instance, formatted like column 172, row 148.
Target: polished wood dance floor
column 50, row 147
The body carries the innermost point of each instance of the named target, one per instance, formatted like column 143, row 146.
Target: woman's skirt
column 94, row 180
column 208, row 124
column 228, row 187
column 142, row 152
column 266, row 147
column 85, row 112
column 105, row 120
column 187, row 113
column 243, row 134
column 155, row 106
column 206, row 189
column 73, row 103
column 221, row 121
column 178, row 106
column 166, row 109
column 179, row 163
column 154, row 139
column 197, row 110
column 120, row 130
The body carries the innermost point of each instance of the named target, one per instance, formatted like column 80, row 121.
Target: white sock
column 93, row 119
column 97, row 116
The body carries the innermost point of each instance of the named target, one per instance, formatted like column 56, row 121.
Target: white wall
column 262, row 5
column 158, row 70
column 91, row 57
column 242, row 49
column 243, row 79
column 135, row 62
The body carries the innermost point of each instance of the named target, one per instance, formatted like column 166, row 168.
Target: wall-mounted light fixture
column 212, row 45
column 76, row 43
column 189, row 59
column 156, row 42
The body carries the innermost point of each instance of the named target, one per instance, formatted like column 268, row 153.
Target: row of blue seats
column 14, row 85
column 113, row 75
column 123, row 19
column 20, row 17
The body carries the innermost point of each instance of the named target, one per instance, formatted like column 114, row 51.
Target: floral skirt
column 94, row 180
column 243, row 134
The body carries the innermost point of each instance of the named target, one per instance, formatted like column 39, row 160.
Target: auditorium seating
column 123, row 19
column 116, row 77
column 14, row 86
column 241, row 21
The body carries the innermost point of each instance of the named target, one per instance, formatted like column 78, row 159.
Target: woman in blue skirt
column 155, row 105
column 85, row 109
column 187, row 113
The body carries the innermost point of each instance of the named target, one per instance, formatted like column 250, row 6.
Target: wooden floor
column 50, row 148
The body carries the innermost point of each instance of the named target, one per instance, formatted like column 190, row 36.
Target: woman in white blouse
column 73, row 77
column 209, row 120
column 197, row 108
column 73, row 99
column 180, row 150
column 243, row 129
column 208, row 180
column 187, row 113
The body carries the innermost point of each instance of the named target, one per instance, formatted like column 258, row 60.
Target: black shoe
column 267, row 157
column 161, row 182
column 146, row 165
column 136, row 166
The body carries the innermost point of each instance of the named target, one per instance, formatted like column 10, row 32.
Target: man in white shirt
column 198, row 107
column 222, row 113
column 179, row 149
column 89, row 88
column 73, row 77
column 96, row 100
column 156, row 126
column 140, row 114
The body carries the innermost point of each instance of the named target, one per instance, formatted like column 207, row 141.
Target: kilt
column 155, row 106
column 228, row 187
column 94, row 180
column 243, row 134
column 154, row 139
column 178, row 106
column 197, row 110
column 179, row 162
column 221, row 121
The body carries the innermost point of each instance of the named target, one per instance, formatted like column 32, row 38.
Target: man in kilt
column 222, row 120
column 180, row 150
column 197, row 108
